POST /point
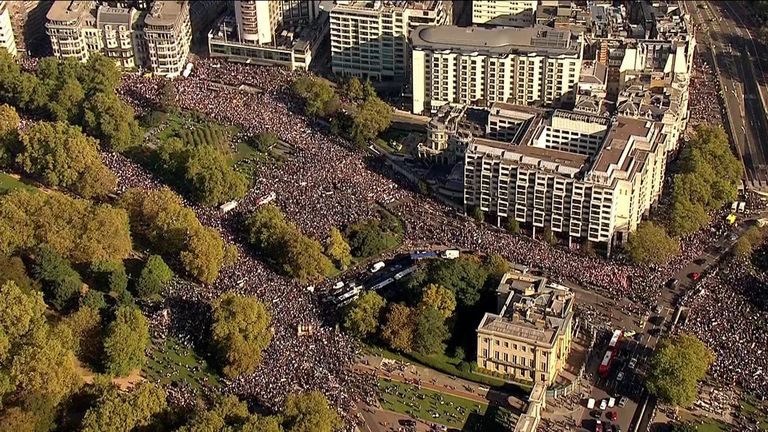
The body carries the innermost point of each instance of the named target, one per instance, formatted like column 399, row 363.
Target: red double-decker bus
column 605, row 366
column 615, row 339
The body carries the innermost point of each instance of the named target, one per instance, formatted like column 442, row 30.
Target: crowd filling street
column 327, row 182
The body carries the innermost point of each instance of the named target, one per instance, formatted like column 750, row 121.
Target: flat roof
column 67, row 10
column 617, row 140
column 496, row 41
column 164, row 13
column 568, row 159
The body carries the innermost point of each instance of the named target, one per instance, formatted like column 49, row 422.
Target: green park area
column 9, row 183
column 429, row 406
column 172, row 363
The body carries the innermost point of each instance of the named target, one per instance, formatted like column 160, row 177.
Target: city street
column 723, row 27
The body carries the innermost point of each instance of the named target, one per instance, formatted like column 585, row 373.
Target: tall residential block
column 369, row 39
column 157, row 39
column 7, row 38
column 478, row 66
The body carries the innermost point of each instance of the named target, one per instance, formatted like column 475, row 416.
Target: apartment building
column 515, row 13
column 369, row 39
column 168, row 35
column 285, row 33
column 584, row 177
column 7, row 38
column 157, row 39
column 478, row 66
column 529, row 337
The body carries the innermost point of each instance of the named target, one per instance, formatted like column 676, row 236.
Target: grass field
column 196, row 130
column 9, row 183
column 753, row 408
column 428, row 405
column 173, row 363
column 712, row 427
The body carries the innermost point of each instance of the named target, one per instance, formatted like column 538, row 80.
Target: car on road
column 629, row 333
column 603, row 404
column 620, row 377
column 632, row 363
column 695, row 276
column 598, row 426
column 622, row 401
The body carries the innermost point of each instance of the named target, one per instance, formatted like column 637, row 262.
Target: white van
column 377, row 266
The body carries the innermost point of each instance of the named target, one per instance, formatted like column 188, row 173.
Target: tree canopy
column 77, row 229
column 439, row 298
column 430, row 331
column 117, row 411
column 464, row 276
column 309, row 412
column 126, row 339
column 320, row 99
column 676, row 368
column 61, row 283
column 114, row 122
column 373, row 236
column 285, row 247
column 371, row 118
column 362, row 317
column 155, row 276
column 241, row 330
column 397, row 332
column 61, row 156
column 170, row 229
column 338, row 250
column 650, row 244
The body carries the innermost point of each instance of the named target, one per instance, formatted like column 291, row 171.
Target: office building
column 168, row 34
column 157, row 39
column 283, row 33
column 529, row 337
column 369, row 39
column 7, row 38
column 514, row 13
column 478, row 66
column 583, row 177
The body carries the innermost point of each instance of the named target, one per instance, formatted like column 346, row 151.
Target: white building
column 369, row 39
column 285, row 33
column 158, row 39
column 477, row 66
column 7, row 38
column 516, row 13
column 583, row 177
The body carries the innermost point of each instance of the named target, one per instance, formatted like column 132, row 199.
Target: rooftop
column 496, row 41
column 114, row 15
column 543, row 157
column 68, row 10
column 371, row 5
column 531, row 309
column 165, row 13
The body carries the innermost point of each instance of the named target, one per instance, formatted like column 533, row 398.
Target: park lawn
column 424, row 404
column 9, row 183
column 195, row 129
column 169, row 363
column 713, row 426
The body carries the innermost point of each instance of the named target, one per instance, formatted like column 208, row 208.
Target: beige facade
column 168, row 33
column 369, row 39
column 257, row 20
column 477, row 66
column 582, row 176
column 518, row 13
column 158, row 40
column 7, row 38
column 530, row 336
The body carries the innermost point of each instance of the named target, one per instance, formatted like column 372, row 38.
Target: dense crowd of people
column 326, row 183
column 704, row 94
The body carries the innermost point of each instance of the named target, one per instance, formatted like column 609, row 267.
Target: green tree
column 650, row 244
column 81, row 333
column 241, row 331
column 155, row 276
column 203, row 255
column 13, row 269
column 477, row 214
column 168, row 96
column 126, row 339
column 397, row 332
column 18, row 420
column 117, row 411
column 110, row 274
column 372, row 118
column 338, row 250
column 262, row 424
column 21, row 313
column 549, row 237
column 61, row 156
column 263, row 141
column 354, row 89
column 685, row 217
column 231, row 255
column 99, row 75
column 439, row 298
column 66, row 102
column 61, row 283
column 512, row 226
column 93, row 299
column 9, row 134
column 318, row 95
column 368, row 90
column 212, row 178
column 304, row 259
column 465, row 276
column 676, row 368
column 113, row 121
column 372, row 237
column 362, row 317
column 309, row 412
column 430, row 331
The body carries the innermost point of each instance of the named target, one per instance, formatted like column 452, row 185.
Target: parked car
column 590, row 403
column 613, row 416
column 603, row 404
column 632, row 363
column 611, row 402
column 598, row 426
column 695, row 276
column 619, row 377
column 622, row 401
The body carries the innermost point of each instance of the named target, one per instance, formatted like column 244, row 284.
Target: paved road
column 725, row 27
